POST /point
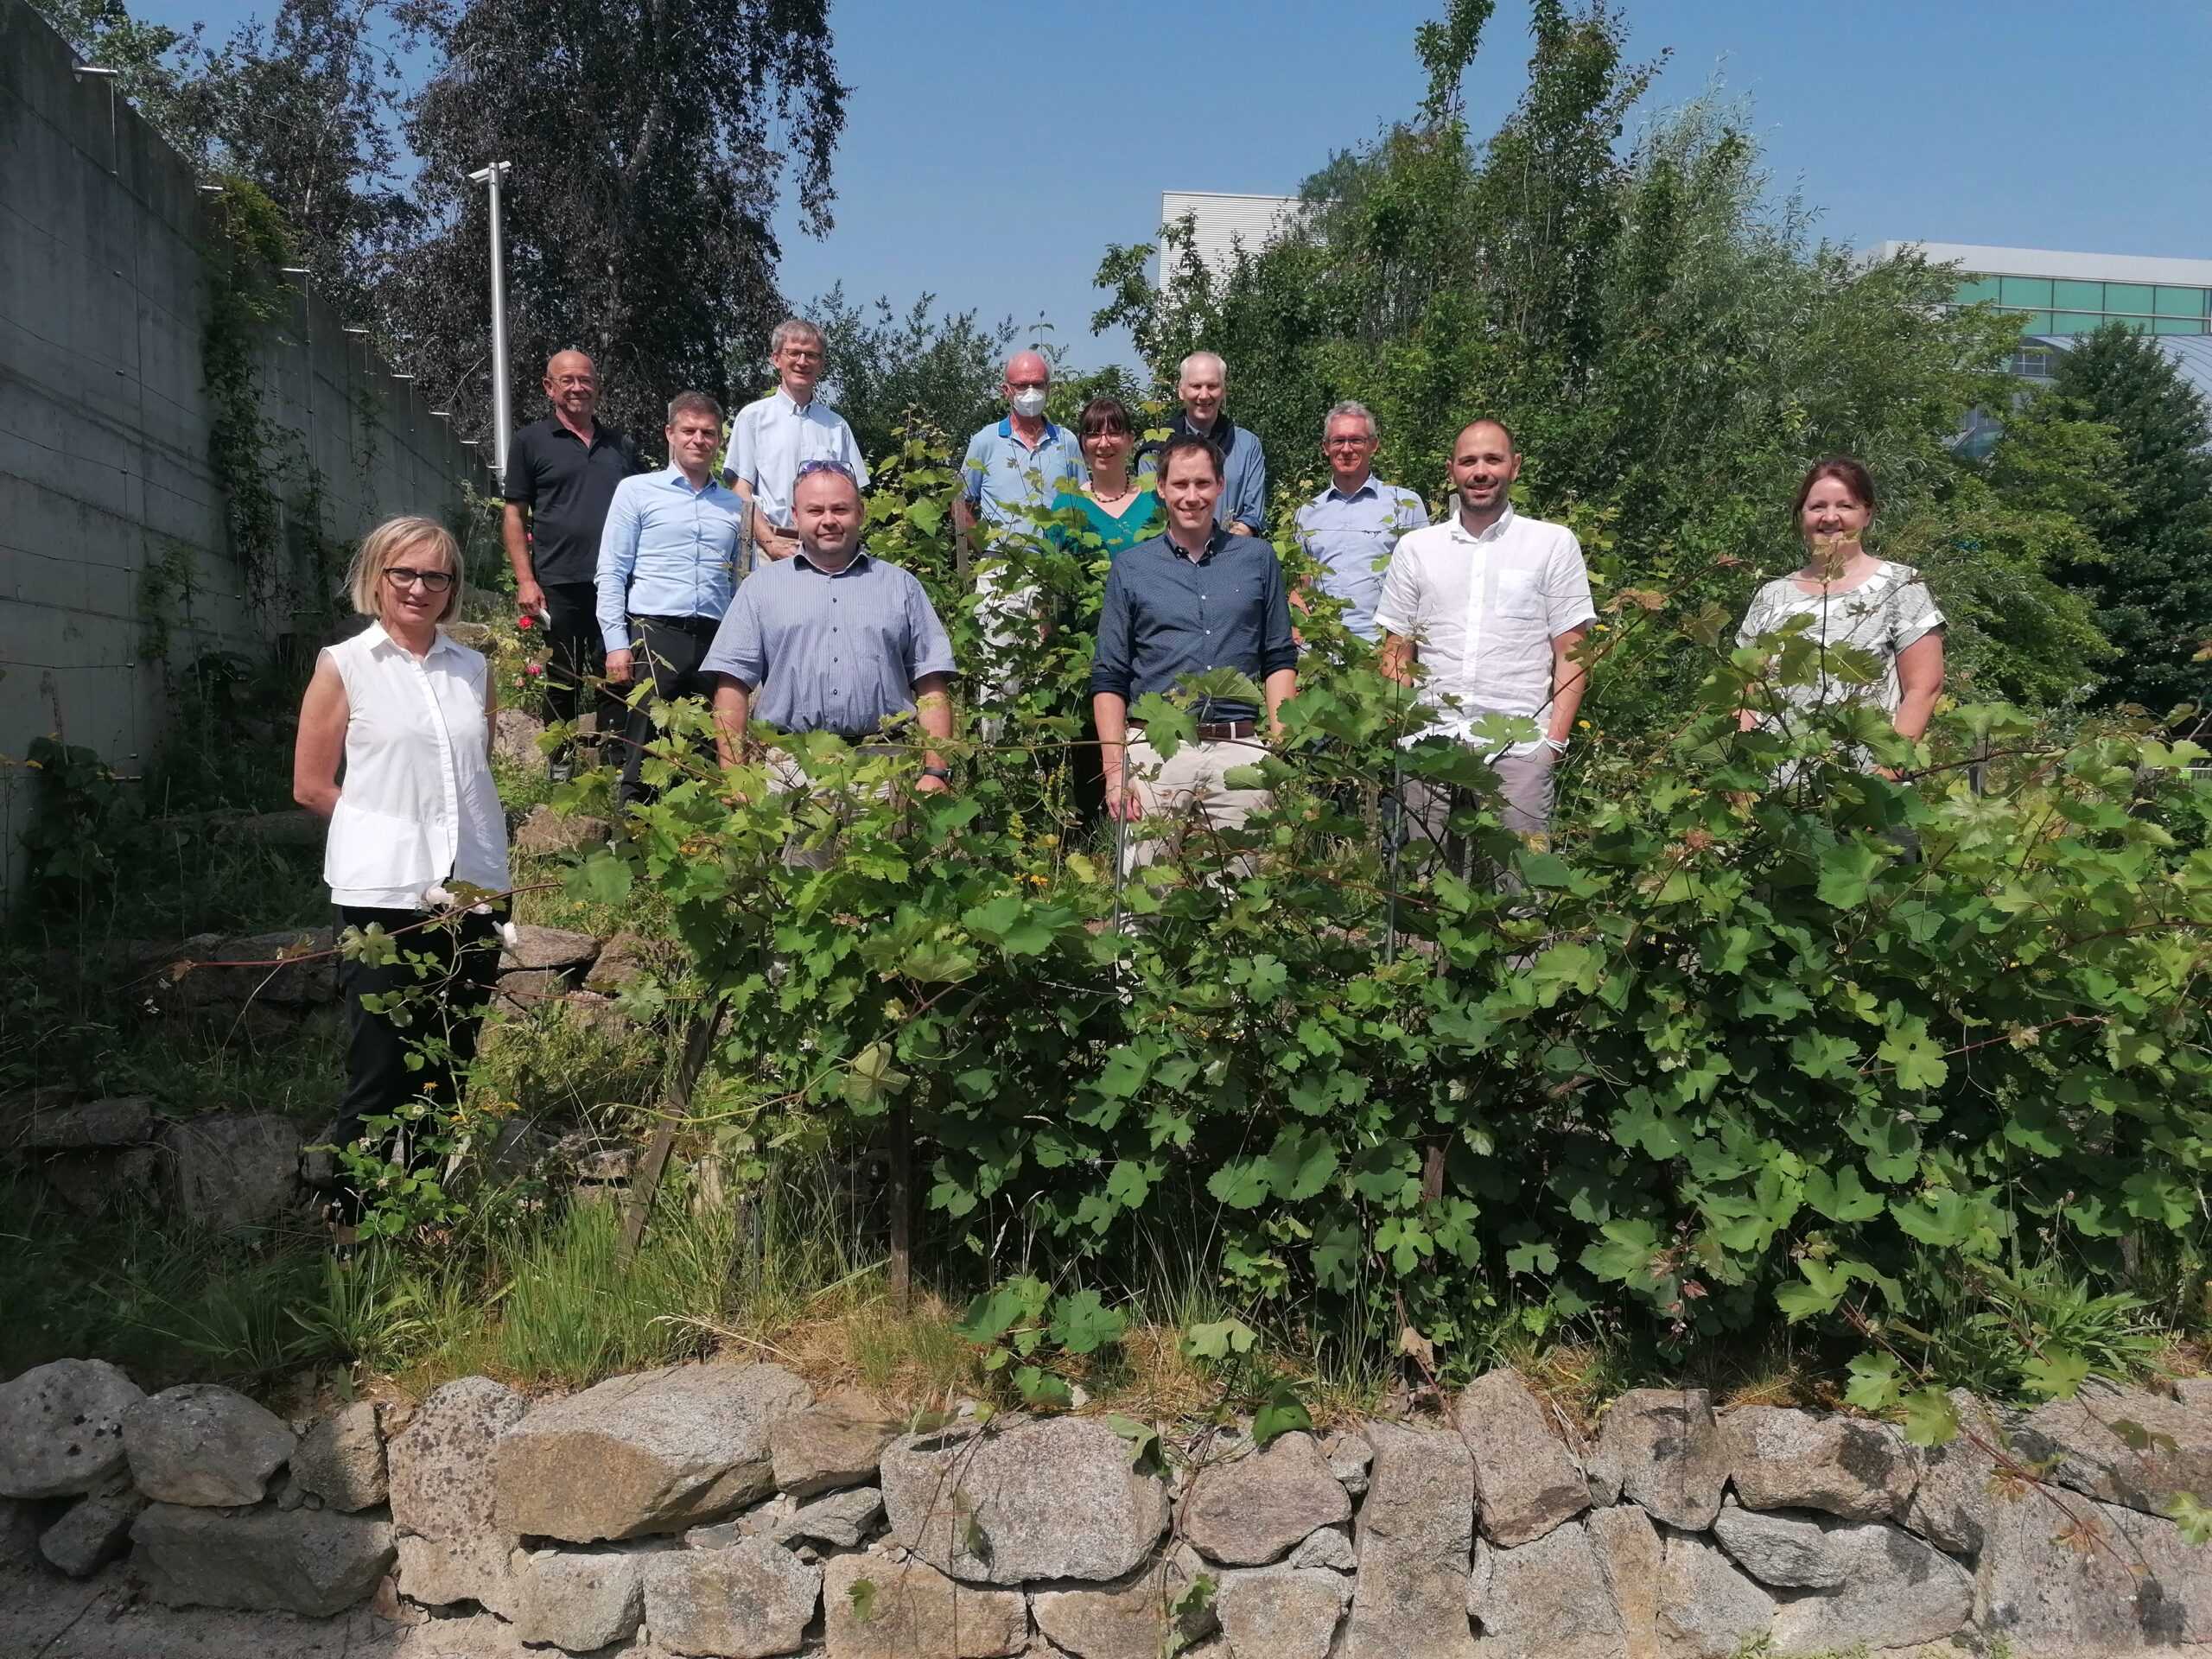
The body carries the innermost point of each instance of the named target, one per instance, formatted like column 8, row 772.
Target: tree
column 1668, row 339
column 884, row 368
column 160, row 70
column 647, row 167
column 307, row 107
column 2153, row 586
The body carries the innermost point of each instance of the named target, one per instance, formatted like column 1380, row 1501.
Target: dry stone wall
column 725, row 1512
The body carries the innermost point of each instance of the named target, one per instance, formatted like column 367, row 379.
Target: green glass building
column 2062, row 294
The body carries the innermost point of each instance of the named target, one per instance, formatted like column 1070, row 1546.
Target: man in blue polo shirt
column 1011, row 473
column 1351, row 527
column 667, row 566
column 1195, row 597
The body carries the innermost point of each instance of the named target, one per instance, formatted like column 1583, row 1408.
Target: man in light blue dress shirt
column 667, row 568
column 1350, row 529
column 772, row 439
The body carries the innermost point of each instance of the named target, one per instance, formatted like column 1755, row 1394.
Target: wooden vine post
column 698, row 1043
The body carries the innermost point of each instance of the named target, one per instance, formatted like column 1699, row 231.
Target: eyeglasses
column 808, row 468
column 434, row 581
column 1346, row 443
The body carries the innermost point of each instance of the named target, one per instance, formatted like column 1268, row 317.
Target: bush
column 1765, row 1032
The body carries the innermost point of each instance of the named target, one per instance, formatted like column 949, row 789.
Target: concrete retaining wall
column 105, row 421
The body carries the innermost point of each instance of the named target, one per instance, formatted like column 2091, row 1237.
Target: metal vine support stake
column 1121, row 864
column 1396, row 816
column 901, row 1197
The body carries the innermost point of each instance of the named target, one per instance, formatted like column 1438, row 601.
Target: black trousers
column 579, row 658
column 668, row 649
column 447, row 995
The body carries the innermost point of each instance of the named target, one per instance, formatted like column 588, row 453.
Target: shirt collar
column 379, row 636
column 858, row 561
column 793, row 405
column 1332, row 494
column 1222, row 433
column 1052, row 432
column 1173, row 548
column 674, row 474
column 1495, row 533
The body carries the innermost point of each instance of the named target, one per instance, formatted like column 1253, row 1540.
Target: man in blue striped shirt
column 667, row 568
column 1350, row 529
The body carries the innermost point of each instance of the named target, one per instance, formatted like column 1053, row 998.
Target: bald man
column 563, row 472
column 1017, row 467
column 1012, row 472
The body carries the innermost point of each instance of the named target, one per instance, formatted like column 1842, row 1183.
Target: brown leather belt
column 1223, row 731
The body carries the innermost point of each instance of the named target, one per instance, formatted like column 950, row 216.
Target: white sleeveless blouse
column 417, row 807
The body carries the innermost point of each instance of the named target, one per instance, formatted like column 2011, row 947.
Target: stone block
column 204, row 1444
column 661, row 1451
column 1044, row 1498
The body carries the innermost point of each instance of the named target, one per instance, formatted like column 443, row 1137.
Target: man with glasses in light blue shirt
column 1351, row 528
column 667, row 568
column 772, row 439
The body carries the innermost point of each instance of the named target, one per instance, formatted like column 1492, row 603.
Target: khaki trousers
column 1524, row 784
column 1190, row 789
column 787, row 776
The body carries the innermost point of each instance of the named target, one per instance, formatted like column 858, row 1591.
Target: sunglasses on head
column 808, row 468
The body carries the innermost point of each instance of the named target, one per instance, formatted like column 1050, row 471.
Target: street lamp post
column 490, row 178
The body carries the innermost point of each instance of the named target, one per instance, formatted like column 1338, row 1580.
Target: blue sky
column 993, row 149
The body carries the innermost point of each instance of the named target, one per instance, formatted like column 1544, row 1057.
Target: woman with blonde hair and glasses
column 414, row 815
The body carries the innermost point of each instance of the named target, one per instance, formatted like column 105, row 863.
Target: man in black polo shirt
column 1195, row 597
column 564, row 469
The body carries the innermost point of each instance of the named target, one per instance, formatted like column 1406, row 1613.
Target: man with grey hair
column 772, row 439
column 667, row 568
column 1351, row 528
column 1202, row 383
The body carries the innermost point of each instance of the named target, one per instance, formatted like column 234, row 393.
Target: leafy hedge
column 1765, row 1032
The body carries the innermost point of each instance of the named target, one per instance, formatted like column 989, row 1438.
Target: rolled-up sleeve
column 973, row 466
column 618, row 557
column 1567, row 593
column 1110, row 661
column 740, row 650
column 1399, row 609
column 743, row 462
column 855, row 462
column 928, row 648
column 1278, row 649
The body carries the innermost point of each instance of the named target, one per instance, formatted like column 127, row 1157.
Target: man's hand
column 1122, row 801
column 618, row 664
column 928, row 786
column 530, row 596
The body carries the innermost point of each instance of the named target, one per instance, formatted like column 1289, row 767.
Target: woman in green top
column 1119, row 509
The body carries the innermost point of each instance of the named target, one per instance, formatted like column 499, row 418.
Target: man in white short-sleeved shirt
column 1492, row 607
column 772, row 439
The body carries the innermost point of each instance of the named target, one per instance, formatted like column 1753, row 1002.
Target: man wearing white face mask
column 1008, row 482
column 1018, row 465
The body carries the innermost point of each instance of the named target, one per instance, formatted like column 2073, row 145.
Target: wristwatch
column 943, row 774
